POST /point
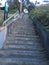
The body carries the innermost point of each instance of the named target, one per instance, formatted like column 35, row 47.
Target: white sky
column 35, row 0
column 41, row 1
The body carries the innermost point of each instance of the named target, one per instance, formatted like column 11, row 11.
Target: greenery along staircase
column 41, row 13
column 22, row 46
column 46, row 25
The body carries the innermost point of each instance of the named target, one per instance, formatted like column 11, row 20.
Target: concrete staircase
column 22, row 46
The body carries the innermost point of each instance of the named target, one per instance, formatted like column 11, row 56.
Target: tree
column 13, row 4
column 31, row 6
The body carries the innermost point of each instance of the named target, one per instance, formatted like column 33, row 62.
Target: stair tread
column 22, row 53
column 23, row 35
column 22, row 38
column 20, row 47
column 8, row 59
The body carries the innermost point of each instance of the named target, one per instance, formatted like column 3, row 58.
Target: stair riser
column 24, row 36
column 21, row 54
column 22, row 33
column 21, row 47
column 19, row 38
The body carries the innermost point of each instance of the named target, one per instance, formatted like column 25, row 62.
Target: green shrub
column 41, row 13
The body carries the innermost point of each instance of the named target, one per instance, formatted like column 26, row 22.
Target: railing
column 8, row 21
column 43, row 34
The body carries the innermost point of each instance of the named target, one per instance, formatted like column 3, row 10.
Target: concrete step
column 22, row 32
column 23, row 61
column 34, row 63
column 24, row 42
column 22, row 24
column 25, row 30
column 22, row 38
column 23, row 35
column 21, row 54
column 23, row 27
column 26, row 27
column 22, row 47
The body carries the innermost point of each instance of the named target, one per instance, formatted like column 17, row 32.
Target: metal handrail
column 12, row 17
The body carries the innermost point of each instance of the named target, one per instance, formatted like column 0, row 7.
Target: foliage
column 31, row 6
column 13, row 5
column 41, row 13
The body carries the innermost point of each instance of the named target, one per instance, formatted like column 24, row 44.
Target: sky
column 35, row 0
column 41, row 1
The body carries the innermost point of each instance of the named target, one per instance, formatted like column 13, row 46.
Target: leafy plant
column 41, row 13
